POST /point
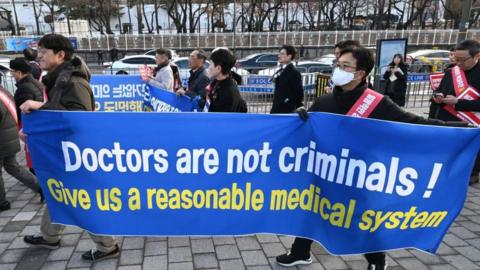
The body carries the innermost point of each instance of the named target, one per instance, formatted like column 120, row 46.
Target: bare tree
column 177, row 11
column 50, row 19
column 36, row 16
column 417, row 11
column 6, row 15
column 16, row 17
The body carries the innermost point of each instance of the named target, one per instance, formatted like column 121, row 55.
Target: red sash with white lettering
column 435, row 79
column 463, row 91
column 9, row 104
column 365, row 105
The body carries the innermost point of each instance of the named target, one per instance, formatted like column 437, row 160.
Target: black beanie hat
column 20, row 64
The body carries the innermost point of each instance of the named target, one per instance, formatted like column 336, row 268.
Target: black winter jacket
column 27, row 89
column 399, row 85
column 225, row 97
column 288, row 93
column 9, row 143
column 340, row 102
column 197, row 82
column 68, row 87
column 446, row 87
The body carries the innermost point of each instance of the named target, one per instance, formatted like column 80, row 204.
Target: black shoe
column 42, row 197
column 289, row 260
column 5, row 206
column 97, row 255
column 473, row 180
column 38, row 240
column 377, row 266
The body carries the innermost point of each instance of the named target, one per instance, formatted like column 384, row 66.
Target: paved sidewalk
column 460, row 248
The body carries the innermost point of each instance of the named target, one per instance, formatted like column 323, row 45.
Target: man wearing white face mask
column 352, row 97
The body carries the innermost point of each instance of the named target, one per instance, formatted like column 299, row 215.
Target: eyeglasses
column 345, row 67
column 43, row 51
column 462, row 60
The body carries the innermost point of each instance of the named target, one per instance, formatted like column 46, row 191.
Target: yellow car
column 427, row 61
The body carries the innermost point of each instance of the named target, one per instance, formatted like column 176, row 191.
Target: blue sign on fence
column 418, row 77
column 259, row 80
column 118, row 92
column 18, row 44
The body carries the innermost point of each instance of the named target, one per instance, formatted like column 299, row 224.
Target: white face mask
column 341, row 77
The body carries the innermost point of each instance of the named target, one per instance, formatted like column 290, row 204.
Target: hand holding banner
column 146, row 72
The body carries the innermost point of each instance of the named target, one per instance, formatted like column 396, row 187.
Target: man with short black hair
column 288, row 92
column 445, row 104
column 344, row 44
column 68, row 89
column 224, row 95
column 353, row 66
column 28, row 88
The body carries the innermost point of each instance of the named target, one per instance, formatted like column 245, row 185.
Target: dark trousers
column 20, row 173
column 301, row 248
column 476, row 169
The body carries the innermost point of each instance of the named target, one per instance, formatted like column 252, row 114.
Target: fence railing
column 259, row 96
column 307, row 39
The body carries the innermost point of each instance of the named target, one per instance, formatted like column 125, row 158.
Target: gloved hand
column 302, row 113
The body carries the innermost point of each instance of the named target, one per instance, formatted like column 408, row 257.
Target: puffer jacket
column 9, row 143
column 68, row 87
column 27, row 89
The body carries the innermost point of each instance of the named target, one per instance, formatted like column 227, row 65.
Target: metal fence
column 307, row 39
column 259, row 98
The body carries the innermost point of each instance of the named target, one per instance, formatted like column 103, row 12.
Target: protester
column 162, row 74
column 100, row 57
column 31, row 55
column 68, row 89
column 113, row 54
column 342, row 45
column 451, row 58
column 396, row 80
column 199, row 78
column 28, row 88
column 288, row 92
column 353, row 66
column 177, row 81
column 224, row 95
column 445, row 104
column 9, row 147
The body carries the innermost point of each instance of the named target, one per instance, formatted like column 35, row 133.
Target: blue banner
column 160, row 100
column 118, row 92
column 18, row 44
column 329, row 179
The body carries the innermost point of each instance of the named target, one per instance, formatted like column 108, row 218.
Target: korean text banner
column 354, row 185
column 160, row 100
column 117, row 92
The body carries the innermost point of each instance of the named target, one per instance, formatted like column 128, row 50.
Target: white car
column 426, row 61
column 6, row 78
column 327, row 59
column 184, row 70
column 130, row 64
column 172, row 52
column 302, row 67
